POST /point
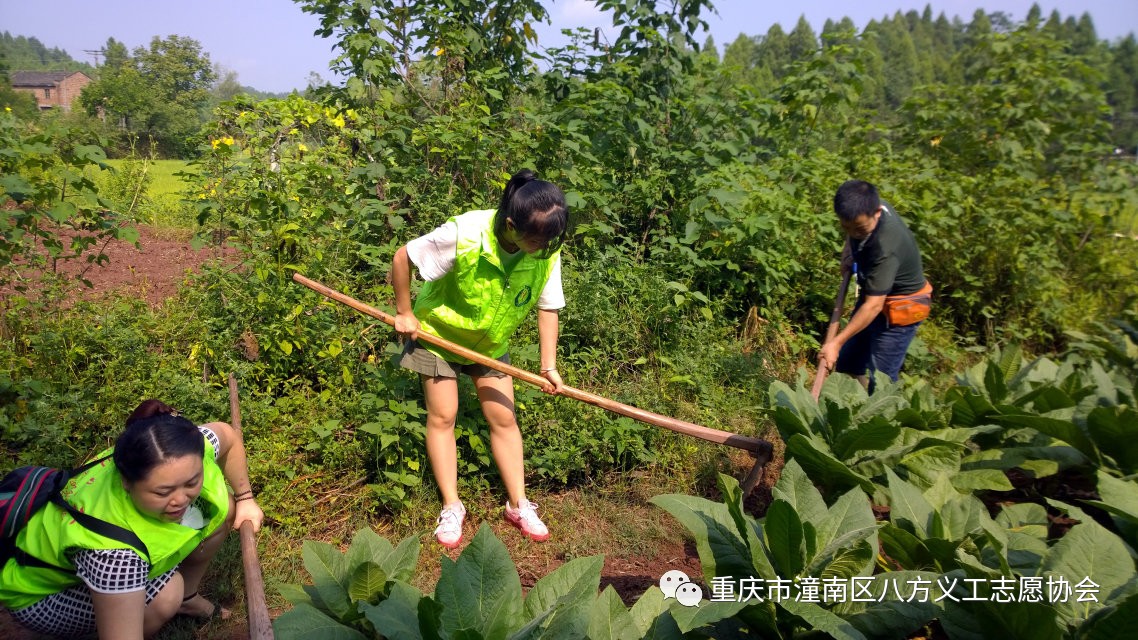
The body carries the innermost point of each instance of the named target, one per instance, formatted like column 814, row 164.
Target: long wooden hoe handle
column 759, row 448
column 831, row 331
column 260, row 627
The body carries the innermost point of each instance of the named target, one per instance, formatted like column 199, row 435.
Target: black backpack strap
column 26, row 559
column 77, row 470
column 102, row 527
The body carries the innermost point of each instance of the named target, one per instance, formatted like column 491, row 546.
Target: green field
column 163, row 206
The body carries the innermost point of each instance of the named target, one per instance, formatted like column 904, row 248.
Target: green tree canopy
column 157, row 95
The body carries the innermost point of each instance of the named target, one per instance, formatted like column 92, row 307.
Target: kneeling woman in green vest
column 484, row 271
column 166, row 482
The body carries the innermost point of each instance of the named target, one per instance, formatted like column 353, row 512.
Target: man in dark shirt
column 883, row 254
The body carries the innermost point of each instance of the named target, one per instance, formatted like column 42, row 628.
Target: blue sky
column 269, row 43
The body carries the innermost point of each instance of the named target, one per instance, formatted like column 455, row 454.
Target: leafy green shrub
column 364, row 593
column 51, row 209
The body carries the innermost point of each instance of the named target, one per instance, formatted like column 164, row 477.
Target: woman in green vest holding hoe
column 165, row 482
column 484, row 271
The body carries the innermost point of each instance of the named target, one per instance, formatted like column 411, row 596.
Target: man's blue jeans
column 877, row 347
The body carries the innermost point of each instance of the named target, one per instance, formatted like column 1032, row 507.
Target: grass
column 163, row 207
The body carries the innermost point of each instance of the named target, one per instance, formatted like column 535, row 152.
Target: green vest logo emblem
column 523, row 297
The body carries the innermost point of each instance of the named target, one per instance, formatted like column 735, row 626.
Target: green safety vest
column 53, row 536
column 478, row 304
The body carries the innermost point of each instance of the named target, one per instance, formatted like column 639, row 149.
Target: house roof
column 41, row 78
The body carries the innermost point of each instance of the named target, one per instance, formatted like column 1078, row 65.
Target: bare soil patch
column 153, row 270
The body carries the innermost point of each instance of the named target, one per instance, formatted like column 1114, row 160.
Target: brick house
column 52, row 89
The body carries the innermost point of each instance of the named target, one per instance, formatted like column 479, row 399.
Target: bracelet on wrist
column 243, row 493
column 248, row 497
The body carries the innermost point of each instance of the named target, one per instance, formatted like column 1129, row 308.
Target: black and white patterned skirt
column 70, row 613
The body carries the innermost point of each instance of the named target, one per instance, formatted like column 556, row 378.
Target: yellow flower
column 440, row 51
column 228, row 140
column 301, row 147
column 215, row 143
column 935, row 142
column 8, row 109
column 338, row 122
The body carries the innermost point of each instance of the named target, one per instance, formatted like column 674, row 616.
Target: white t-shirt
column 435, row 253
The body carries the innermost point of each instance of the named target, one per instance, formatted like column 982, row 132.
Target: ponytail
column 536, row 207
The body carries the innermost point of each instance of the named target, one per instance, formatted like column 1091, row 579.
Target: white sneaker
column 525, row 518
column 449, row 531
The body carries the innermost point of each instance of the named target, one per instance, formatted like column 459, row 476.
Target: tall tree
column 1122, row 92
column 802, row 43
column 842, row 32
column 774, row 50
column 709, row 49
column 157, row 95
column 901, row 67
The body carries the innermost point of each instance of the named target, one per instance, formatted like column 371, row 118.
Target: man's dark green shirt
column 888, row 261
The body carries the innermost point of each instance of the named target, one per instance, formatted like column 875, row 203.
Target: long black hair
column 154, row 434
column 536, row 207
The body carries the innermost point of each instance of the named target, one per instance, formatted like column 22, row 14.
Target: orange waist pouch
column 911, row 308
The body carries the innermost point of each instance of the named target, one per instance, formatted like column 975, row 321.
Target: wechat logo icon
column 676, row 584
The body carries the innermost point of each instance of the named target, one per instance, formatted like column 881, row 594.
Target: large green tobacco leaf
column 398, row 563
column 789, row 422
column 815, row 457
column 981, row 480
column 563, row 581
column 982, row 620
column 1113, row 430
column 846, row 524
column 822, row 620
column 1088, row 552
column 329, row 570
column 295, row 593
column 367, row 546
column 958, row 517
column 648, row 608
column 783, row 534
column 397, row 617
column 1064, row 430
column 909, row 506
column 1042, row 460
column 366, row 582
column 707, row 613
column 795, row 488
column 901, row 610
column 610, row 620
column 969, row 409
column 932, row 460
column 481, row 591
column 1025, row 517
column 747, row 527
column 1115, row 622
column 850, row 554
column 1120, row 499
column 559, row 604
column 722, row 552
column 305, row 622
column 906, row 549
column 876, row 434
column 652, row 616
